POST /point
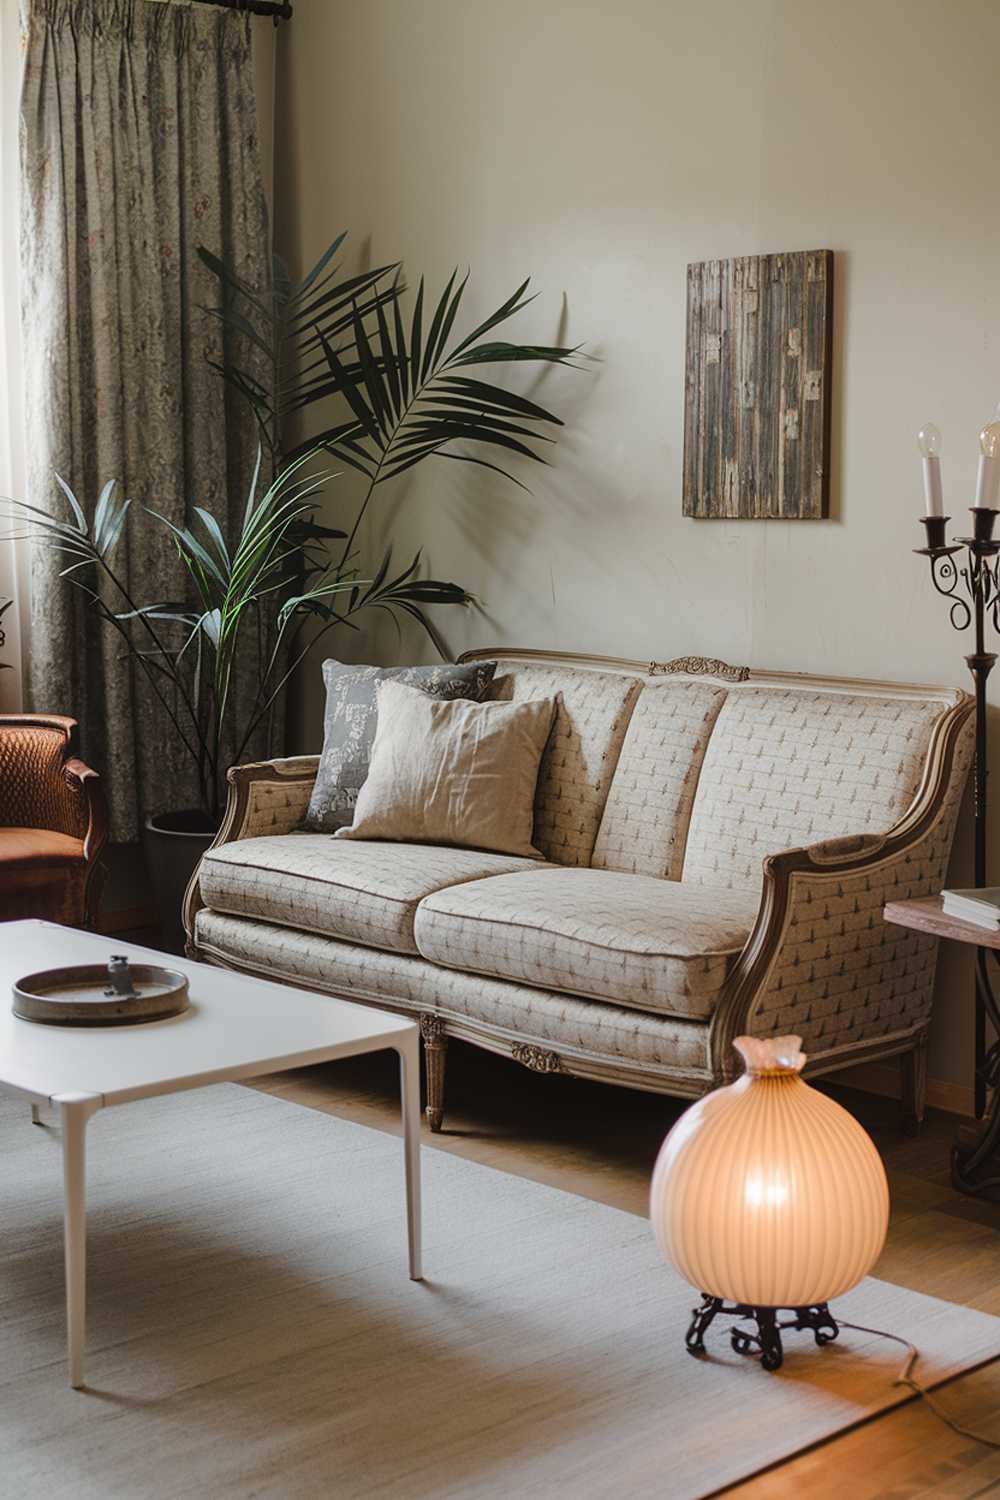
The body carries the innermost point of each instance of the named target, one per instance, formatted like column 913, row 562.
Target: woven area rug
column 252, row 1331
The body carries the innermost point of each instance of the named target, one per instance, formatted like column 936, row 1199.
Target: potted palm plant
column 402, row 394
column 273, row 577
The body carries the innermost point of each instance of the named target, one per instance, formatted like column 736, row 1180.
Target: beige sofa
column 719, row 846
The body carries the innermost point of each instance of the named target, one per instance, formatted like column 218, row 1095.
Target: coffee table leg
column 74, row 1112
column 409, row 1082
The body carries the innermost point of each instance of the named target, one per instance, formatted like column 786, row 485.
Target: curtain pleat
column 138, row 143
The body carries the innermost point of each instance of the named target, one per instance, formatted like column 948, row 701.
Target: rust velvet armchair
column 53, row 822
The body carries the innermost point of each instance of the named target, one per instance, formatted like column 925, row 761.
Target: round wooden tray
column 84, row 995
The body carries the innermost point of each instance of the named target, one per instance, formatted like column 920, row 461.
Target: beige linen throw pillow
column 452, row 773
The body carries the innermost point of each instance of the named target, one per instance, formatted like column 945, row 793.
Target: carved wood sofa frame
column 791, row 879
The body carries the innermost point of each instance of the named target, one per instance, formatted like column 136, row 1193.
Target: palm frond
column 282, row 328
column 412, row 403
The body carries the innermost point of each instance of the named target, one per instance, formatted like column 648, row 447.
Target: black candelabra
column 968, row 574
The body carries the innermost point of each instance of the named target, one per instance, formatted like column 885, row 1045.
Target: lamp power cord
column 906, row 1378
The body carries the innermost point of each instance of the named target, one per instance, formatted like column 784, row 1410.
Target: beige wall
column 601, row 147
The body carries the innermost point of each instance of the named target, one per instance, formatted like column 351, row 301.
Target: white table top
column 237, row 1026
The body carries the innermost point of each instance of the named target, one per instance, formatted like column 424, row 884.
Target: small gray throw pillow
column 349, row 725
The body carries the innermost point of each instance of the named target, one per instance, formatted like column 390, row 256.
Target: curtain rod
column 280, row 11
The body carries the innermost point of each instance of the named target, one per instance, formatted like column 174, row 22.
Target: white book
column 981, row 906
column 974, row 919
column 968, row 912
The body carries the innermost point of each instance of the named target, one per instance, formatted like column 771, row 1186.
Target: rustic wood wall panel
column 757, row 387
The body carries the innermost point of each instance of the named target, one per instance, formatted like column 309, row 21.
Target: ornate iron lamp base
column 766, row 1342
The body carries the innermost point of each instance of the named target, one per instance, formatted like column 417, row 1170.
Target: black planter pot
column 173, row 843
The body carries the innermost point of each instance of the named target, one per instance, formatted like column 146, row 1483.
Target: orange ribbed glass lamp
column 767, row 1195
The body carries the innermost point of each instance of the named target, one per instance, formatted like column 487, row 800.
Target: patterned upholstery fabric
column 786, row 768
column 581, row 1029
column 52, row 821
column 350, row 719
column 579, row 762
column 631, row 939
column 278, row 805
column 645, row 822
column 367, row 893
column 843, row 974
column 34, row 792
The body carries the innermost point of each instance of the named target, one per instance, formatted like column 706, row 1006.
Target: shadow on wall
column 499, row 520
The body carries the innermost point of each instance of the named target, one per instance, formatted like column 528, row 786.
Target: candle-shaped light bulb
column 929, row 443
column 989, row 439
column 988, row 481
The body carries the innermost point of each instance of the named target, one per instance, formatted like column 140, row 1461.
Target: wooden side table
column 975, row 1156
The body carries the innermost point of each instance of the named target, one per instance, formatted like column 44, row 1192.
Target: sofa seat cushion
column 662, row 1048
column 366, row 892
column 655, row 945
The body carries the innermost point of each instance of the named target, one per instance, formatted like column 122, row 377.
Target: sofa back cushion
column 786, row 767
column 645, row 823
column 592, row 715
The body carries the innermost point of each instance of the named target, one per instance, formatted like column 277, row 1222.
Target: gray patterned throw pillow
column 349, row 723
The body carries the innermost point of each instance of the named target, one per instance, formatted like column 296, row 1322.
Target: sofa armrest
column 265, row 797
column 842, row 853
column 821, row 961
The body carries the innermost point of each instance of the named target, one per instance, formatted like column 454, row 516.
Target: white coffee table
column 237, row 1027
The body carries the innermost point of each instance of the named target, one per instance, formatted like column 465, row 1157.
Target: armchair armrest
column 265, row 797
column 821, row 961
column 87, row 793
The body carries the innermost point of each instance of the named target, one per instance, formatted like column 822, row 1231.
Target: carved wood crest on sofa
column 719, row 845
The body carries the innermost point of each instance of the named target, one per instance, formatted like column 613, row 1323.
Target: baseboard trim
column 883, row 1078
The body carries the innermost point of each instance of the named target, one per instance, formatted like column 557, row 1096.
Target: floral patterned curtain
column 138, row 143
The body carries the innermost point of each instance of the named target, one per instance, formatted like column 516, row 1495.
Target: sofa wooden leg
column 913, row 1077
column 435, row 1056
